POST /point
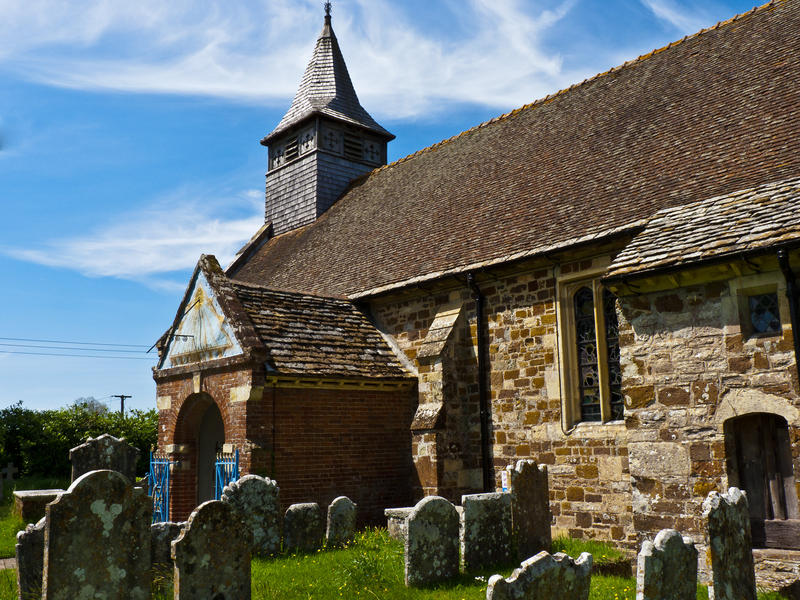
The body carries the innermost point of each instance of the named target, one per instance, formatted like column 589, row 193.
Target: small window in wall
column 590, row 355
column 763, row 314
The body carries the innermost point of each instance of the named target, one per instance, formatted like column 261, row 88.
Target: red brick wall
column 327, row 443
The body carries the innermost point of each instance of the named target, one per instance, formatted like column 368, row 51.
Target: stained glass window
column 586, row 343
column 615, row 400
column 764, row 315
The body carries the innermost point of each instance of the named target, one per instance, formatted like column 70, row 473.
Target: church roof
column 326, row 89
column 746, row 221
column 299, row 334
column 312, row 335
column 713, row 113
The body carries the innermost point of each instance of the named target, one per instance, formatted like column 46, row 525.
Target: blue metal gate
column 158, row 485
column 227, row 470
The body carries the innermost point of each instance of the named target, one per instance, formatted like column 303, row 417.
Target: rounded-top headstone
column 257, row 501
column 431, row 546
column 341, row 522
column 212, row 555
column 303, row 528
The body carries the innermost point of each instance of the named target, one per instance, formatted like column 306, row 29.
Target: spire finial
column 327, row 10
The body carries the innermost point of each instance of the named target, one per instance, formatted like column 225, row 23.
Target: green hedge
column 38, row 441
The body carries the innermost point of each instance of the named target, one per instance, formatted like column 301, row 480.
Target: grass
column 371, row 567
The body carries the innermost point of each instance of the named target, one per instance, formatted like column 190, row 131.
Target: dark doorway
column 763, row 468
column 210, row 438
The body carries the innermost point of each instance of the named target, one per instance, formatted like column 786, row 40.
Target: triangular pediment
column 202, row 331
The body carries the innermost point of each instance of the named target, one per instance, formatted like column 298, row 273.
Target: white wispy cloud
column 685, row 20
column 257, row 50
column 166, row 237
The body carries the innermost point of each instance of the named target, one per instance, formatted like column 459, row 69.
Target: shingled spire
column 324, row 141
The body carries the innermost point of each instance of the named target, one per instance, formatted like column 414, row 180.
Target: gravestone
column 556, row 577
column 161, row 536
column 730, row 546
column 212, row 555
column 303, row 528
column 257, row 502
column 485, row 530
column 97, row 540
column 30, row 560
column 341, row 522
column 396, row 521
column 431, row 548
column 530, row 508
column 30, row 505
column 667, row 568
column 104, row 452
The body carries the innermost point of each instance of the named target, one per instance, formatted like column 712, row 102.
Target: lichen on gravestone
column 667, row 568
column 545, row 576
column 730, row 546
column 530, row 508
column 303, row 528
column 431, row 544
column 257, row 501
column 104, row 452
column 341, row 522
column 97, row 540
column 212, row 555
column 485, row 530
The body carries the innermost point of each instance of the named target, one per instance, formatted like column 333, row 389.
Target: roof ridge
column 546, row 99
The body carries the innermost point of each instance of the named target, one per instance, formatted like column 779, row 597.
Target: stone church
column 603, row 280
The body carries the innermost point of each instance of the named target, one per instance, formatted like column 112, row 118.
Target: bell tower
column 324, row 141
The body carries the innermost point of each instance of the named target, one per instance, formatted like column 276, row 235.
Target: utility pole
column 121, row 402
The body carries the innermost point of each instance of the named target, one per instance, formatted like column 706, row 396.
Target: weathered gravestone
column 530, row 508
column 667, row 568
column 212, row 555
column 485, row 530
column 161, row 536
column 396, row 521
column 97, row 540
column 730, row 546
column 30, row 561
column 543, row 576
column 303, row 528
column 104, row 452
column 256, row 499
column 431, row 546
column 341, row 522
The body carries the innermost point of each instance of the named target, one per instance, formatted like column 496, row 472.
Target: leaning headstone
column 303, row 528
column 730, row 546
column 104, row 452
column 341, row 522
column 257, row 502
column 556, row 577
column 530, row 508
column 30, row 560
column 485, row 530
column 97, row 540
column 667, row 568
column 161, row 536
column 212, row 555
column 431, row 548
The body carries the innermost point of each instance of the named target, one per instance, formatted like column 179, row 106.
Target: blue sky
column 129, row 141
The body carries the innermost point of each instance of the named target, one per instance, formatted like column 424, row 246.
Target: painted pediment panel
column 203, row 333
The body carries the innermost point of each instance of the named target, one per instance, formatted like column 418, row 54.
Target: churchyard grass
column 371, row 567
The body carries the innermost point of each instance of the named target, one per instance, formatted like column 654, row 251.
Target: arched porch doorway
column 200, row 433
column 210, row 439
